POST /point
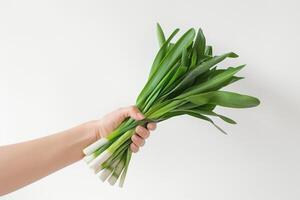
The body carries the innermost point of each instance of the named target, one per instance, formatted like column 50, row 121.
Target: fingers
column 137, row 140
column 134, row 148
column 151, row 126
column 141, row 133
column 131, row 111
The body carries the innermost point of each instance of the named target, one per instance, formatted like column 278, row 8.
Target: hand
column 112, row 120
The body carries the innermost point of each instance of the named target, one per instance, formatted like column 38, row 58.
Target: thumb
column 131, row 111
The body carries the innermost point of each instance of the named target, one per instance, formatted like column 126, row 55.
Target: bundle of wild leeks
column 184, row 79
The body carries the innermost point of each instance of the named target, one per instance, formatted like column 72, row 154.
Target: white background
column 67, row 62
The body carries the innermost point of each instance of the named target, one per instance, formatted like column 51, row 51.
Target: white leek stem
column 123, row 175
column 89, row 158
column 93, row 147
column 104, row 174
column 98, row 169
column 100, row 159
column 107, row 171
column 118, row 169
column 112, row 180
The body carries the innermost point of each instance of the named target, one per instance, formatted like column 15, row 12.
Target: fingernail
column 140, row 116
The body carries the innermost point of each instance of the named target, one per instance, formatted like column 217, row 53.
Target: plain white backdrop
column 66, row 62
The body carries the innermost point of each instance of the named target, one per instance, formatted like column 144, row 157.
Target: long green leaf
column 211, row 113
column 218, row 81
column 179, row 73
column 171, row 45
column 161, row 53
column 199, row 45
column 208, row 51
column 191, row 113
column 160, row 35
column 184, row 58
column 166, row 64
column 154, row 95
column 203, row 117
column 231, row 80
column 195, row 114
column 214, row 72
column 203, row 67
column 225, row 99
column 165, row 109
column 194, row 59
column 189, row 106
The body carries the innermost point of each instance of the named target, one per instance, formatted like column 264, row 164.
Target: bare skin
column 27, row 162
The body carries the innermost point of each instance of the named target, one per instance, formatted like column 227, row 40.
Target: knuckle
column 145, row 132
column 143, row 129
column 138, row 129
column 136, row 139
column 133, row 138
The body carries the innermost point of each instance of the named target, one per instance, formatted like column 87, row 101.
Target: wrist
column 80, row 137
column 89, row 131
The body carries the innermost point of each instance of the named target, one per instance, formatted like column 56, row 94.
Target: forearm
column 24, row 163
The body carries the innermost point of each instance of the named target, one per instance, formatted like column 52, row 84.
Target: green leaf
column 179, row 73
column 161, row 53
column 190, row 113
column 184, row 58
column 203, row 67
column 199, row 45
column 151, row 99
column 207, row 107
column 216, row 72
column 205, row 76
column 208, row 51
column 189, row 106
column 166, row 64
column 193, row 59
column 225, row 99
column 160, row 35
column 171, row 45
column 224, row 83
column 211, row 113
column 200, row 116
column 155, row 93
column 218, row 81
column 165, row 109
column 231, row 80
